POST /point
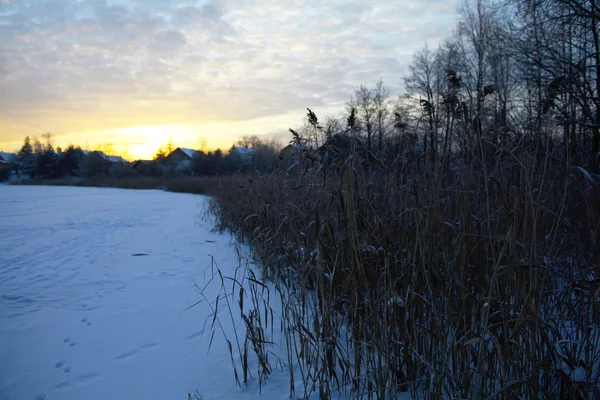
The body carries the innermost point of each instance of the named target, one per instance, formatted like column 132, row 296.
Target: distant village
column 40, row 160
column 43, row 161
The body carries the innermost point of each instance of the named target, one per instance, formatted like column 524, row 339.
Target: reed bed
column 475, row 278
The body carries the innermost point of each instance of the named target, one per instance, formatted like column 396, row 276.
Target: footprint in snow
column 41, row 396
column 133, row 353
column 83, row 379
column 60, row 365
column 86, row 321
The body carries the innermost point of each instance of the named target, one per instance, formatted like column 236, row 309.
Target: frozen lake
column 94, row 286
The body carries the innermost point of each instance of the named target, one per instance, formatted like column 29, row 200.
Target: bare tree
column 107, row 148
column 363, row 103
column 249, row 141
column 47, row 144
column 38, row 148
column 333, row 125
column 380, row 102
column 424, row 85
column 170, row 145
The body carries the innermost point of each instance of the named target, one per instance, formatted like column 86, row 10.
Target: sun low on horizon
column 132, row 75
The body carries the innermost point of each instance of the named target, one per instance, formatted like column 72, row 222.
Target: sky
column 132, row 74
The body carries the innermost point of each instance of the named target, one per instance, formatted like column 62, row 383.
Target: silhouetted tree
column 26, row 149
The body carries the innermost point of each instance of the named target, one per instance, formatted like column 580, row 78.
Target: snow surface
column 94, row 287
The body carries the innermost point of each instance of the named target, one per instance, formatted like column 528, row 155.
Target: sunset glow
column 135, row 74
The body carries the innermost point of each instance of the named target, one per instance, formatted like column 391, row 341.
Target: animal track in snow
column 149, row 346
column 83, row 379
column 60, row 365
column 133, row 353
column 86, row 321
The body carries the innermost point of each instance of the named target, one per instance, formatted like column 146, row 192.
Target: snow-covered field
column 94, row 286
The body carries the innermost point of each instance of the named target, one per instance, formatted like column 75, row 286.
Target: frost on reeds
column 476, row 280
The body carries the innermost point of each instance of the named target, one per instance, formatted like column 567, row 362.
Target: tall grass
column 479, row 280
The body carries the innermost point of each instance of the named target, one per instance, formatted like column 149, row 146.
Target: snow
column 116, row 159
column 245, row 153
column 95, row 286
column 8, row 157
column 189, row 152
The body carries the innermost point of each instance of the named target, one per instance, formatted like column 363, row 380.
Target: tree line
column 513, row 73
column 40, row 159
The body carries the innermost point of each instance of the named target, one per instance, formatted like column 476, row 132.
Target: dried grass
column 475, row 282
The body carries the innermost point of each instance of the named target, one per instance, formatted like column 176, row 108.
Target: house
column 242, row 155
column 112, row 159
column 8, row 162
column 181, row 158
column 116, row 159
column 140, row 164
column 294, row 155
column 8, row 159
column 182, row 154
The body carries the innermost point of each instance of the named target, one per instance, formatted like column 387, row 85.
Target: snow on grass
column 95, row 290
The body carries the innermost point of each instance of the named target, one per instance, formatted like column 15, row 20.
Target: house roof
column 107, row 158
column 138, row 163
column 188, row 152
column 245, row 151
column 244, row 154
column 8, row 157
column 115, row 159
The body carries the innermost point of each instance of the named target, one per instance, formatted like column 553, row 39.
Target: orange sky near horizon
column 134, row 143
column 142, row 142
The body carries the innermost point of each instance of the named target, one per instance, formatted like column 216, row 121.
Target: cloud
column 81, row 65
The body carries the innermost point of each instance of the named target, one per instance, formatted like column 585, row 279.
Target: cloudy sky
column 136, row 72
